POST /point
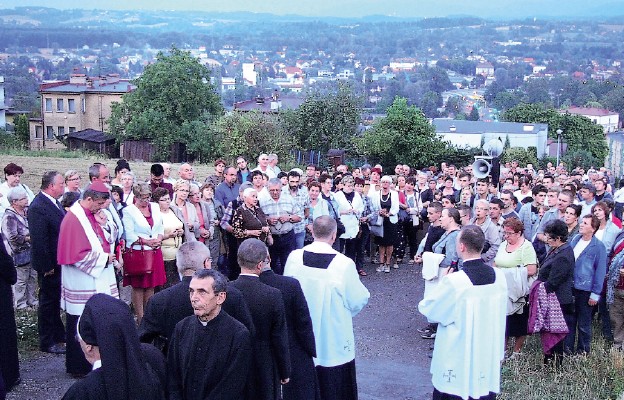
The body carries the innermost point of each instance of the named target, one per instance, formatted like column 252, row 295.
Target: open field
column 35, row 166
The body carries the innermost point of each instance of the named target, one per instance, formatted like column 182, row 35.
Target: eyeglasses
column 165, row 199
column 145, row 197
column 505, row 233
column 184, row 190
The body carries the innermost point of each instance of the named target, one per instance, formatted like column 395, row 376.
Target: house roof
column 91, row 135
column 592, row 111
column 443, row 125
column 98, row 87
column 288, row 103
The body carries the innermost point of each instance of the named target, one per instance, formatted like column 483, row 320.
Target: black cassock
column 170, row 306
column 9, row 362
column 303, row 382
column 208, row 362
column 271, row 356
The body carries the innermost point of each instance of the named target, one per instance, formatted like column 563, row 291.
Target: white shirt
column 580, row 246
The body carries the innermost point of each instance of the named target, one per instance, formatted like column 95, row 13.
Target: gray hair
column 251, row 252
column 275, row 182
column 324, row 227
column 141, row 188
column 47, row 179
column 219, row 284
column 191, row 256
column 386, row 178
column 16, row 193
column 247, row 192
column 347, row 179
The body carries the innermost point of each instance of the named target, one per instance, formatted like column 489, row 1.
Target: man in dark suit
column 170, row 306
column 44, row 220
column 271, row 358
column 303, row 382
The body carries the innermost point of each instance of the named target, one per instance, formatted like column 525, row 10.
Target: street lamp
column 559, row 132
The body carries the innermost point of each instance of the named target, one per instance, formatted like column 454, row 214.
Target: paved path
column 391, row 358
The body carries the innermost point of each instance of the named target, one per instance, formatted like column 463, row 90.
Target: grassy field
column 598, row 376
column 35, row 166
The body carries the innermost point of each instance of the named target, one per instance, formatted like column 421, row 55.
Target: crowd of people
column 552, row 235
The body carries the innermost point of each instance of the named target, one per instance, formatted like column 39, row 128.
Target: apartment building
column 80, row 103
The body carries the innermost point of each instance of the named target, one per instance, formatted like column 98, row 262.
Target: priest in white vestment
column 86, row 258
column 470, row 307
column 334, row 294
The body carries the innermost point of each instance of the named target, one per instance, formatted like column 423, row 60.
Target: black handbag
column 340, row 228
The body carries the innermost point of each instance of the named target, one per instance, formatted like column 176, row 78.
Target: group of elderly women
column 156, row 226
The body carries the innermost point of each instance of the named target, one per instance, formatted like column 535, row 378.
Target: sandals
column 361, row 272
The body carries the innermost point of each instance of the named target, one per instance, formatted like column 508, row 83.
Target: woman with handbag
column 515, row 252
column 318, row 207
column 175, row 233
column 249, row 221
column 385, row 204
column 17, row 236
column 350, row 208
column 216, row 211
column 144, row 267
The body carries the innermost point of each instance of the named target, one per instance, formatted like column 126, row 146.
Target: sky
column 355, row 8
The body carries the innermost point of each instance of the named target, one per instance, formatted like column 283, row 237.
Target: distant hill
column 188, row 21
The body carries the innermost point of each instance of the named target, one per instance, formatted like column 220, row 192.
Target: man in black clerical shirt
column 168, row 307
column 210, row 352
column 271, row 355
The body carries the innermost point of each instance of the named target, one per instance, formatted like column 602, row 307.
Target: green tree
column 474, row 114
column 579, row 132
column 173, row 102
column 251, row 133
column 520, row 154
column 21, row 129
column 405, row 136
column 325, row 120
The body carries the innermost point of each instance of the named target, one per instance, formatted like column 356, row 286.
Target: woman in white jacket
column 350, row 208
column 385, row 205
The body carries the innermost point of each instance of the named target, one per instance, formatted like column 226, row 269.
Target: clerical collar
column 96, row 364
column 248, row 274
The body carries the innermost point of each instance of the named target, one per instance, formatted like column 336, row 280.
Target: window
column 48, row 104
column 49, row 132
column 61, row 131
column 71, row 105
column 59, row 105
column 38, row 132
column 72, row 129
column 84, row 105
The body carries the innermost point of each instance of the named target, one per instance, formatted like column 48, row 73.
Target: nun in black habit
column 123, row 368
column 9, row 362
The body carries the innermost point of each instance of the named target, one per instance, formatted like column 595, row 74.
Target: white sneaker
column 386, row 269
column 380, row 268
column 395, row 266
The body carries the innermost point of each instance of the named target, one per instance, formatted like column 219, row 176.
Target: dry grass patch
column 35, row 166
column 597, row 376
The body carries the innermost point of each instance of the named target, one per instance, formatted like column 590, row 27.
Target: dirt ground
column 391, row 358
